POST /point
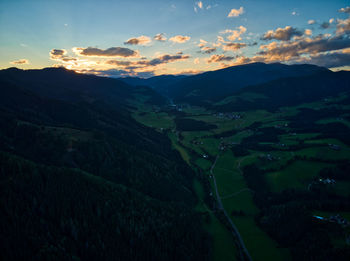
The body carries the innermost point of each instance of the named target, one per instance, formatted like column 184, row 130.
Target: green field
column 223, row 243
column 286, row 168
column 237, row 197
column 158, row 120
column 297, row 175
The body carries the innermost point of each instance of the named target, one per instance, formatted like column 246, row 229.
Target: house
column 339, row 220
column 327, row 181
column 334, row 146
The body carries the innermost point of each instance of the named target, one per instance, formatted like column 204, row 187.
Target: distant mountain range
column 216, row 85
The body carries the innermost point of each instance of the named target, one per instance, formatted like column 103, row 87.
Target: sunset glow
column 146, row 38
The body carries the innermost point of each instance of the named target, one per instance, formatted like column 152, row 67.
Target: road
column 221, row 207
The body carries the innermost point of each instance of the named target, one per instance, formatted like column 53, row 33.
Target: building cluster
column 326, row 181
column 322, row 181
column 228, row 115
column 269, row 157
column 334, row 146
column 197, row 142
column 279, row 126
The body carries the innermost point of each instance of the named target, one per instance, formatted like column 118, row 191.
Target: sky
column 146, row 38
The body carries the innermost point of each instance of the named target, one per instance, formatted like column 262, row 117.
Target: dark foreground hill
column 81, row 180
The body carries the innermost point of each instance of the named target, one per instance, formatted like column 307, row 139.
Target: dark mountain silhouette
column 159, row 83
column 215, row 85
column 289, row 91
column 60, row 83
column 80, row 179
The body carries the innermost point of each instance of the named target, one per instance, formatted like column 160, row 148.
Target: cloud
column 199, row 4
column 321, row 50
column 188, row 72
column 235, row 34
column 167, row 58
column 119, row 63
column 330, row 60
column 219, row 58
column 283, row 34
column 108, row 73
column 162, row 59
column 233, row 46
column 57, row 53
column 196, row 61
column 202, row 43
column 110, row 52
column 141, row 68
column 179, row 39
column 20, row 61
column 345, row 10
column 286, row 51
column 343, row 26
column 311, row 22
column 114, row 73
column 160, row 37
column 208, row 50
column 236, row 12
column 141, row 40
column 308, row 32
column 325, row 25
column 60, row 55
column 243, row 60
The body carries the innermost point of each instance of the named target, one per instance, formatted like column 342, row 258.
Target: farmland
column 289, row 155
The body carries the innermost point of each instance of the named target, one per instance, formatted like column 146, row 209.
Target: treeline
column 82, row 180
column 54, row 213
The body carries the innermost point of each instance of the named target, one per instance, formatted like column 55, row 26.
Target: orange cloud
column 60, row 55
column 202, row 43
column 233, row 46
column 236, row 12
column 180, row 39
column 160, row 37
column 208, row 50
column 343, row 26
column 141, row 40
column 219, row 58
column 287, row 51
column 110, row 52
column 235, row 34
column 21, row 61
column 283, row 34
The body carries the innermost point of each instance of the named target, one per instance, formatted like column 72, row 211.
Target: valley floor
column 288, row 148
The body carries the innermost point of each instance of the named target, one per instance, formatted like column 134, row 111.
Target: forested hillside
column 82, row 180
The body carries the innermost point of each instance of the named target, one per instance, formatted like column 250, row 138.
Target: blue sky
column 117, row 37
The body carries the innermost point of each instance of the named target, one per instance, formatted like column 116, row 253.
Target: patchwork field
column 289, row 156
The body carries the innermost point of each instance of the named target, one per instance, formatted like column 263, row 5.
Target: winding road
column 221, row 207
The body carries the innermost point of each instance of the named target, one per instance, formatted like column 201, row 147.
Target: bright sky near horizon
column 146, row 38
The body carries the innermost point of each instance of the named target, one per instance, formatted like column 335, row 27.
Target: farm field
column 290, row 157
